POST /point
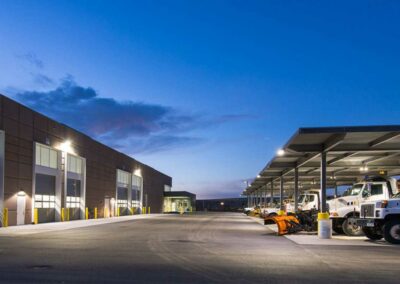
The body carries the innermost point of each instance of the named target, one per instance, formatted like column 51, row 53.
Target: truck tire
column 337, row 226
column 372, row 234
column 338, row 230
column 351, row 230
column 391, row 231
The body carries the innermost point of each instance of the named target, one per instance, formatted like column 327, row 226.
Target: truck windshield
column 305, row 198
column 355, row 190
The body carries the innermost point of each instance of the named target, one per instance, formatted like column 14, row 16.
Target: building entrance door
column 107, row 207
column 21, row 204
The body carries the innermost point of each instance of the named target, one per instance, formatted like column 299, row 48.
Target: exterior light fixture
column 258, row 176
column 280, row 152
column 364, row 168
column 66, row 147
column 222, row 204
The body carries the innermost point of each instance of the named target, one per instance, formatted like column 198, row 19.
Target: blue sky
column 205, row 91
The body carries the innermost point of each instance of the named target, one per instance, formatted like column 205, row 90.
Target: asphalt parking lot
column 201, row 248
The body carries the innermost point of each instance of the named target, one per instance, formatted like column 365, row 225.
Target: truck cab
column 348, row 205
column 309, row 200
column 380, row 219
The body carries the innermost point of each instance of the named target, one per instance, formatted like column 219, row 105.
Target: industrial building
column 179, row 201
column 51, row 172
column 222, row 204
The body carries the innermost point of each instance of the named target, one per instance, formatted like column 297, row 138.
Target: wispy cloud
column 41, row 79
column 32, row 59
column 133, row 127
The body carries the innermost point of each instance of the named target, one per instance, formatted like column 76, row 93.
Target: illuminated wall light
column 66, row 147
column 258, row 176
column 280, row 152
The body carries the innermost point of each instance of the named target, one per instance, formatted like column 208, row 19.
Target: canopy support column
column 323, row 182
column 281, row 194
column 296, row 189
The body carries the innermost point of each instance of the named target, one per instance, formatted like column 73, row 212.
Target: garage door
column 45, row 199
column 122, row 201
column 74, row 198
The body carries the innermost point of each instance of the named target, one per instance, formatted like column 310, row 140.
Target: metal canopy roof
column 348, row 149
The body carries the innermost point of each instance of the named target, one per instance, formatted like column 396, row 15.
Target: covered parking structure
column 327, row 157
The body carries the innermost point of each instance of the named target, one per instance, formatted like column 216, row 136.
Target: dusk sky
column 205, row 91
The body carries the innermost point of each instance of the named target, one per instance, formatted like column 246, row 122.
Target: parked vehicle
column 380, row 219
column 304, row 219
column 348, row 206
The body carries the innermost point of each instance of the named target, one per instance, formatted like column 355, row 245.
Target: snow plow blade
column 286, row 224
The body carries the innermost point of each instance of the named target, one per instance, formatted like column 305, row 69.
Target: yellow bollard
column 118, row 211
column 105, row 215
column 5, row 217
column 133, row 210
column 95, row 212
column 67, row 214
column 35, row 216
column 148, row 210
column 62, row 215
column 87, row 213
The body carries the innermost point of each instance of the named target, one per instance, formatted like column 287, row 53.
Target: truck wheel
column 337, row 226
column 391, row 231
column 350, row 229
column 338, row 230
column 372, row 234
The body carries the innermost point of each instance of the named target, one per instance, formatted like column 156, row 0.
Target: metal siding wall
column 23, row 126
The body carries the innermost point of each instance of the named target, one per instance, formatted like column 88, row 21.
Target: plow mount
column 291, row 224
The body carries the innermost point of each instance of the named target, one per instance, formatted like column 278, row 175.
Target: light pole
column 246, row 182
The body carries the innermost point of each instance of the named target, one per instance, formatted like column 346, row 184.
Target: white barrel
column 325, row 229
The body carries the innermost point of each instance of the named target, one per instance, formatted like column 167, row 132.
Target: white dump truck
column 348, row 206
column 380, row 219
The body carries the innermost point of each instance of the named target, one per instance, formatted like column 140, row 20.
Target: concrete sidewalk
column 60, row 226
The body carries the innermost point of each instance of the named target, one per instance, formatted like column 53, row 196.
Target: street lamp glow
column 280, row 152
column 258, row 176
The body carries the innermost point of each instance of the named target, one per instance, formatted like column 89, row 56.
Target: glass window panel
column 53, row 159
column 46, row 205
column 79, row 165
column 46, row 198
column 38, row 197
column 69, row 163
column 52, row 198
column 37, row 154
column 45, row 157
